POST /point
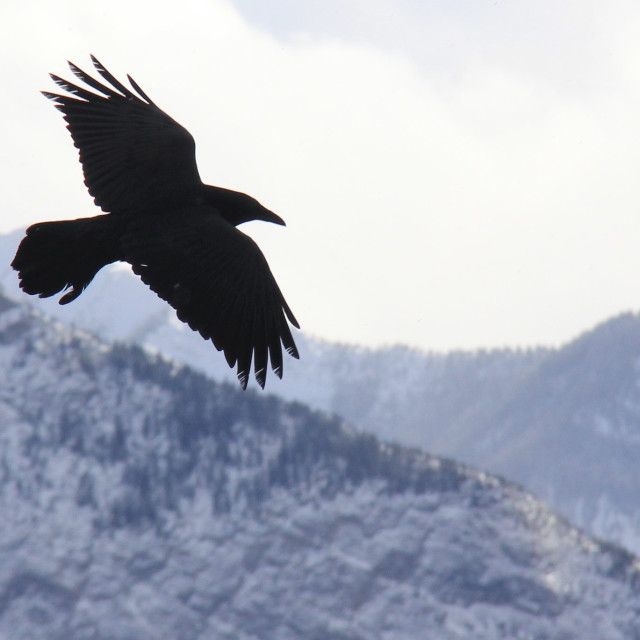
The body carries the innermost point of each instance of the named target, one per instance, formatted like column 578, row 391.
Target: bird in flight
column 178, row 234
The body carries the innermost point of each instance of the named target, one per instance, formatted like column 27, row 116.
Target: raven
column 178, row 234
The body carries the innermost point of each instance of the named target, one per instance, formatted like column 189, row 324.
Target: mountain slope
column 564, row 422
column 141, row 500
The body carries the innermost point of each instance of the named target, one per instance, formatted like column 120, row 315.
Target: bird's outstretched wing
column 134, row 155
column 220, row 284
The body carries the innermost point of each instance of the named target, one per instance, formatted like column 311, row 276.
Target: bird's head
column 236, row 207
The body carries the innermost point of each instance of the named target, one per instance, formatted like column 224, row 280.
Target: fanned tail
column 67, row 254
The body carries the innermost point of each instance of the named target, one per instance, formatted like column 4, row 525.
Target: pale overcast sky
column 453, row 174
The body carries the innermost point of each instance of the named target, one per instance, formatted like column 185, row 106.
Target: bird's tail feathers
column 67, row 254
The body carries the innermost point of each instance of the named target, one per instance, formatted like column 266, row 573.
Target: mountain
column 142, row 500
column 563, row 422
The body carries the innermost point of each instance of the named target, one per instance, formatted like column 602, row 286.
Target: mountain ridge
column 564, row 422
column 143, row 500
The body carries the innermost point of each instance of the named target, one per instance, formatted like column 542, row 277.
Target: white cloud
column 476, row 191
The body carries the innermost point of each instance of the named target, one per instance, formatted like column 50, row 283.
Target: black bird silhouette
column 178, row 234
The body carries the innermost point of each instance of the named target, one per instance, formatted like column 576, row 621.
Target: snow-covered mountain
column 141, row 500
column 565, row 423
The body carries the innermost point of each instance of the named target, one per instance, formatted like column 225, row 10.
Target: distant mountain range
column 565, row 422
column 141, row 500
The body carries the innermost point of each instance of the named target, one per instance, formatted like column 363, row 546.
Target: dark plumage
column 177, row 233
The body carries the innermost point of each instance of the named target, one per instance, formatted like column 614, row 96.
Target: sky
column 454, row 175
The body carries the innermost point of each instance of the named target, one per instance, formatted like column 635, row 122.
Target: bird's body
column 177, row 233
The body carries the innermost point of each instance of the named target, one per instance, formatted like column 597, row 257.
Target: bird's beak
column 269, row 216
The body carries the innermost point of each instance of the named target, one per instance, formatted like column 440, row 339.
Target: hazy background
column 453, row 174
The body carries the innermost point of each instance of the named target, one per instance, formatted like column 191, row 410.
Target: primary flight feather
column 178, row 234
